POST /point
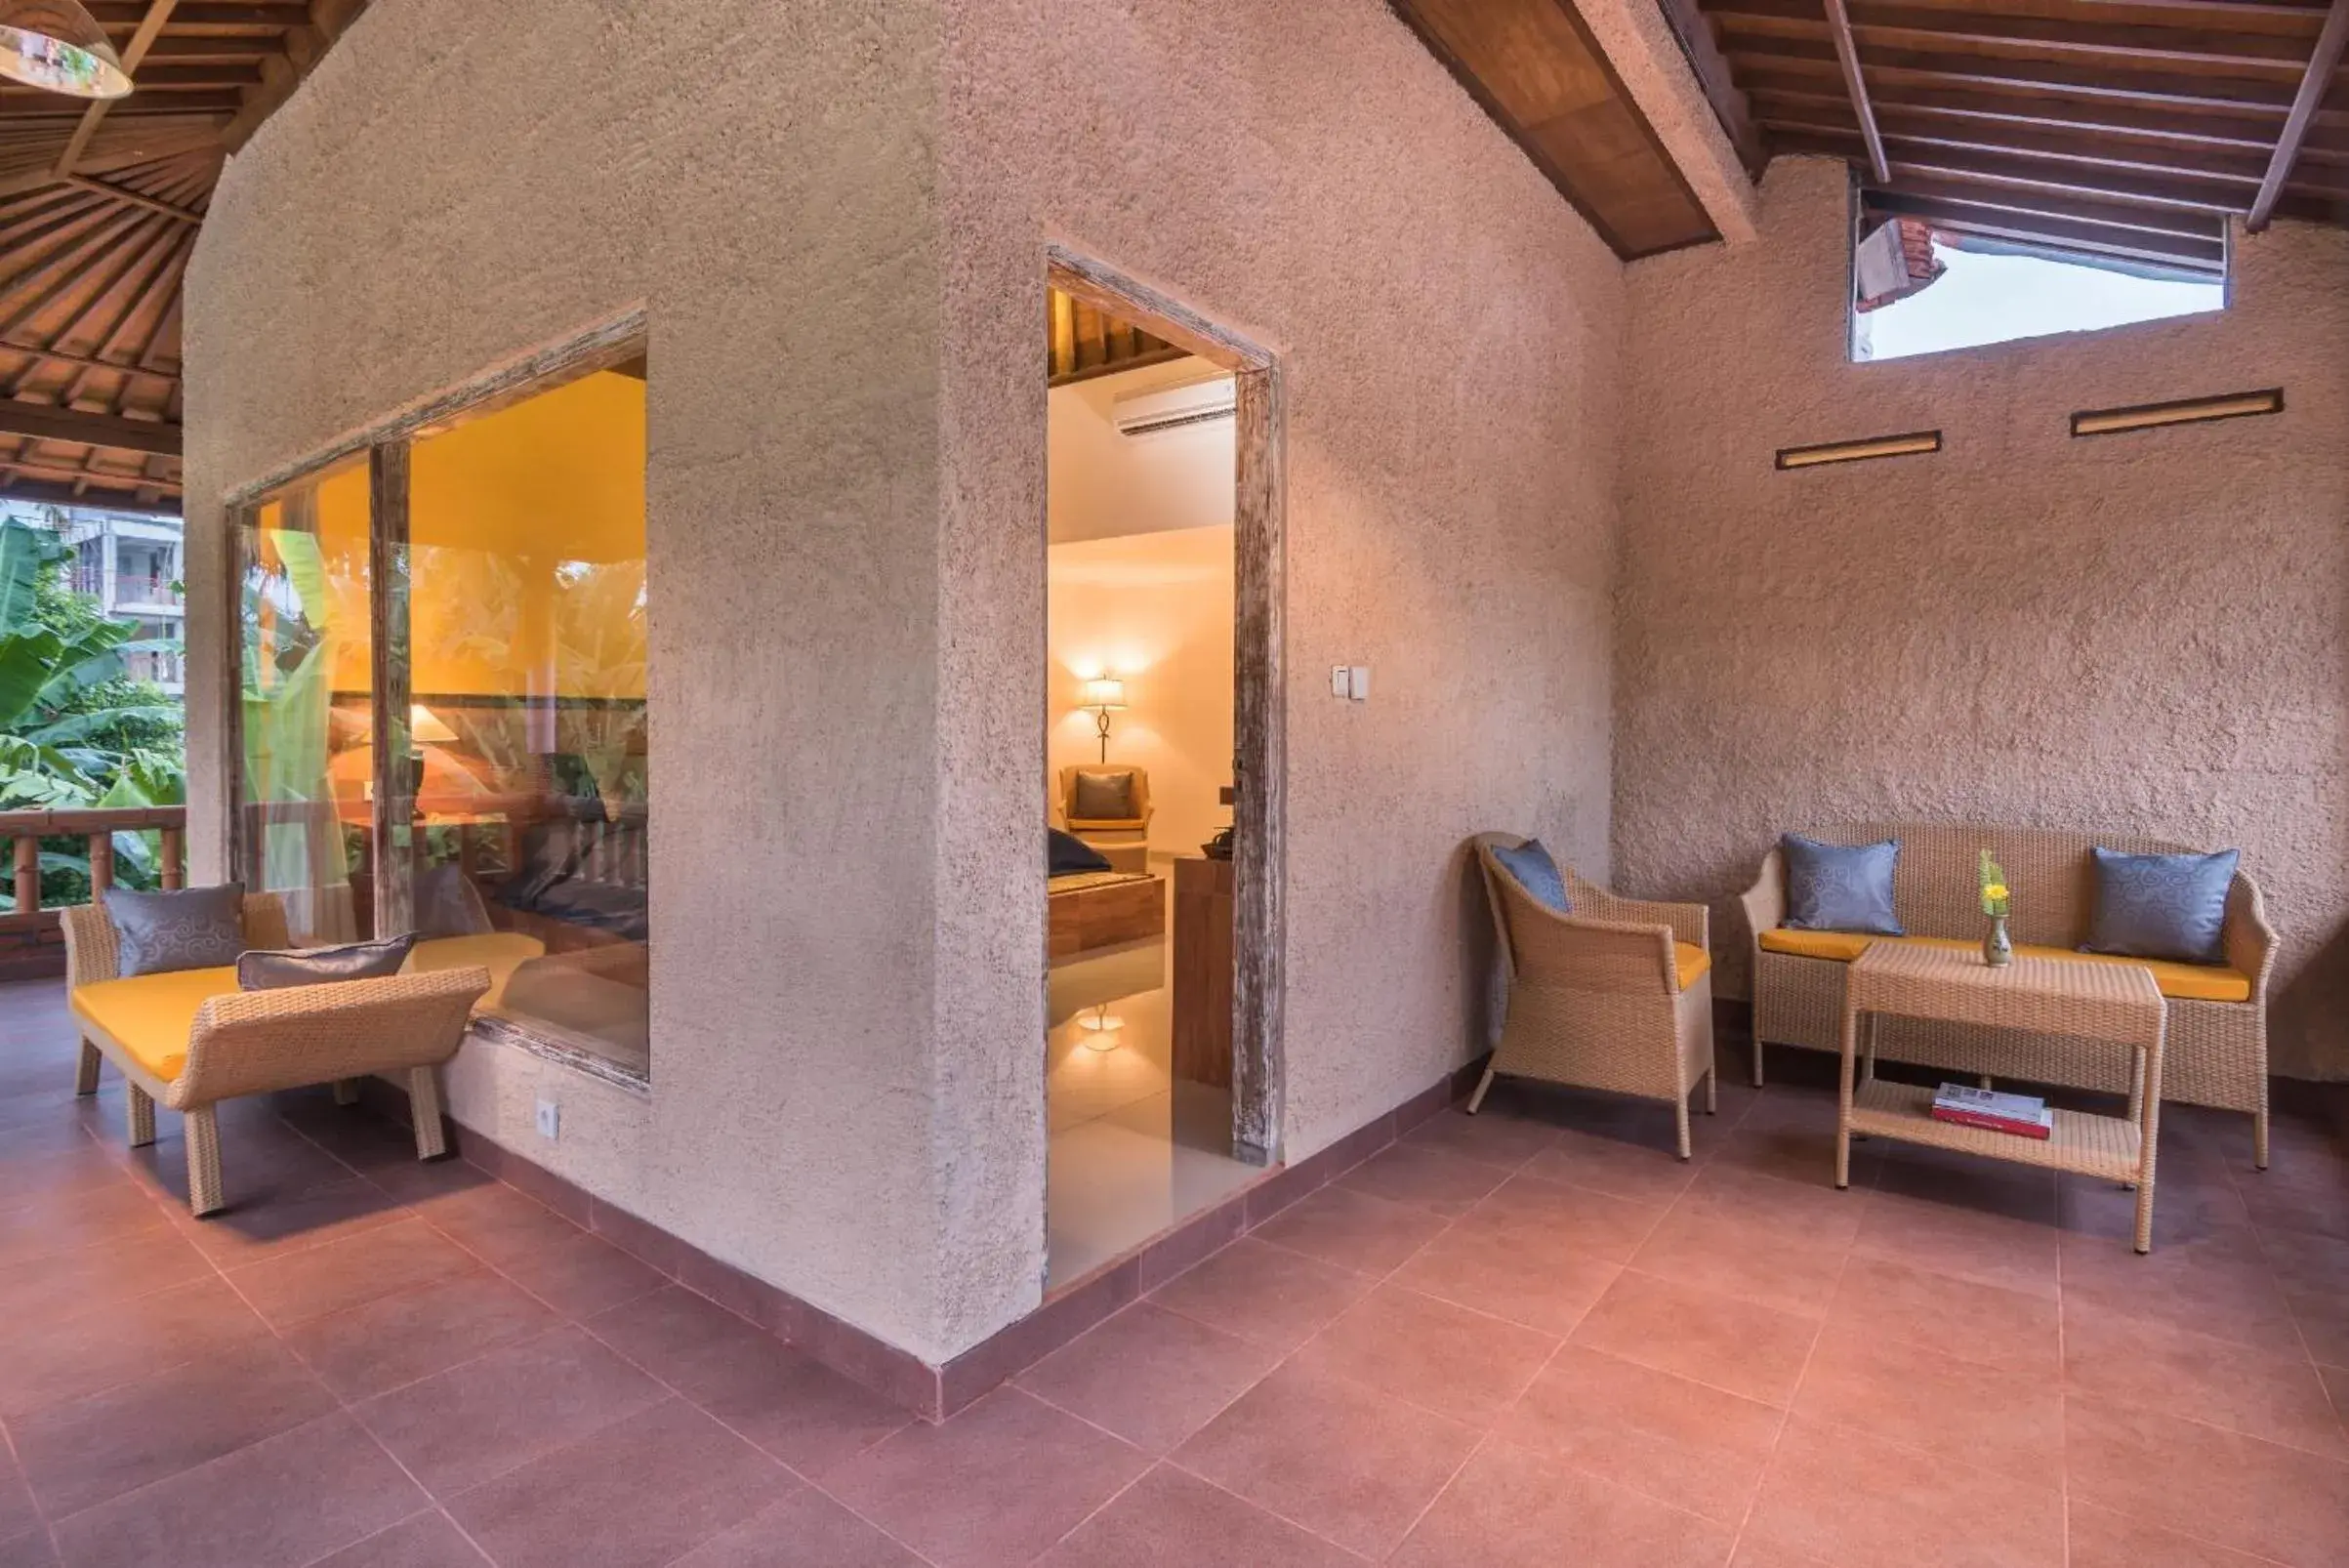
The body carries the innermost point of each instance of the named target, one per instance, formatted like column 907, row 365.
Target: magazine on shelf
column 1962, row 1105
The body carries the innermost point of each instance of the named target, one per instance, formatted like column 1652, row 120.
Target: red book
column 1992, row 1123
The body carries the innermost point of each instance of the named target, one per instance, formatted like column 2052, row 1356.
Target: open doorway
column 1161, row 1054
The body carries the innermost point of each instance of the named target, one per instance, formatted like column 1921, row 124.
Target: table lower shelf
column 2081, row 1140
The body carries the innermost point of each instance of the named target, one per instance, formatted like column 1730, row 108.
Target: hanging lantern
column 54, row 44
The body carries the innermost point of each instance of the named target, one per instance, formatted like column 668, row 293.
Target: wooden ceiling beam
column 1714, row 79
column 1797, row 97
column 2221, row 15
column 2207, row 255
column 115, row 192
column 37, row 493
column 2256, row 56
column 1847, row 55
column 33, row 422
column 2314, row 82
column 2182, row 92
column 134, row 55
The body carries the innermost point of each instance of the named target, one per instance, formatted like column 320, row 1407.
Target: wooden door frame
column 1260, row 730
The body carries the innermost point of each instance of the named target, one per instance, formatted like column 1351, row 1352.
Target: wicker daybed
column 189, row 1039
column 1617, row 995
column 2216, row 1047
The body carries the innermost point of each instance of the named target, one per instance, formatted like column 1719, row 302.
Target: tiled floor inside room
column 1134, row 1150
column 1531, row 1338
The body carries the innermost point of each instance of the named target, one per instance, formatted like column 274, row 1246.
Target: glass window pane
column 307, row 789
column 527, row 609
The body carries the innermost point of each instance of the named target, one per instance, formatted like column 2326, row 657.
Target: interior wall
column 1447, row 332
column 1105, row 484
column 1155, row 610
column 2145, row 633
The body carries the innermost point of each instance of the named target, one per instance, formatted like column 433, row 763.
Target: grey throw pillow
column 189, row 929
column 1536, row 872
column 2171, row 906
column 1103, row 797
column 264, row 970
column 1841, row 888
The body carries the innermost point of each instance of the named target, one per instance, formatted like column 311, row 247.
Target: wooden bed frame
column 1102, row 909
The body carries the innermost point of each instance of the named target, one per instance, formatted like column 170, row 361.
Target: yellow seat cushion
column 2184, row 982
column 501, row 953
column 1691, row 961
column 151, row 1016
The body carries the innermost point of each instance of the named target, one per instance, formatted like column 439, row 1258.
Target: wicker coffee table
column 2093, row 1004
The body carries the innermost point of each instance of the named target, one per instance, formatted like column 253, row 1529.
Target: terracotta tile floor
column 1528, row 1339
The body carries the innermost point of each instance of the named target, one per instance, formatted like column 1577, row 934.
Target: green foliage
column 1994, row 892
column 75, row 731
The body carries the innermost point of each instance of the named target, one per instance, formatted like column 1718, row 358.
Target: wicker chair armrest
column 1766, row 902
column 2249, row 941
column 254, row 1041
column 93, row 953
column 1689, row 923
column 1585, row 954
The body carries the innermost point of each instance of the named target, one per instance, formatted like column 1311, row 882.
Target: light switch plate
column 1360, row 682
column 1341, row 680
column 550, row 1120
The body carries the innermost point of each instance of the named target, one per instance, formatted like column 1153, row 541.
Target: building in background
column 131, row 563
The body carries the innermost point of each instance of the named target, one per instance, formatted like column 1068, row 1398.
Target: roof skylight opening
column 1992, row 292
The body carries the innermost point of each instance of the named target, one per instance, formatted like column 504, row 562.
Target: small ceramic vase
column 1996, row 950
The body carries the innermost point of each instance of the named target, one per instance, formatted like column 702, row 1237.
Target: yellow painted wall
column 496, row 506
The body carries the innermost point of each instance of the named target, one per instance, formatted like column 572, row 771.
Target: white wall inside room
column 1140, row 588
column 1155, row 610
column 1105, row 485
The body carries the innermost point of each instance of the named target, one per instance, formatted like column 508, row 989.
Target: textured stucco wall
column 1447, row 330
column 460, row 183
column 2139, row 633
column 836, row 216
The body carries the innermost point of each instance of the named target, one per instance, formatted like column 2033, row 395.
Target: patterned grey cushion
column 1536, row 872
column 191, row 929
column 264, row 971
column 2171, row 906
column 1841, row 888
column 1103, row 797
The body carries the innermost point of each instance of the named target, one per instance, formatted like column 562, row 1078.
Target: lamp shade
column 54, row 44
column 1105, row 693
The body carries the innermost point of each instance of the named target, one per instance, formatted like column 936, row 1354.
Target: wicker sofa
column 2216, row 1052
column 1617, row 995
column 190, row 1039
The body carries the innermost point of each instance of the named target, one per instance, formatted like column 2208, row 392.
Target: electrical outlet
column 550, row 1120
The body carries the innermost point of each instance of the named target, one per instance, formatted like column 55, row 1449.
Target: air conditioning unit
column 1172, row 407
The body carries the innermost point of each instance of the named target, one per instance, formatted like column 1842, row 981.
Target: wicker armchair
column 1616, row 996
column 1123, row 840
column 191, row 1039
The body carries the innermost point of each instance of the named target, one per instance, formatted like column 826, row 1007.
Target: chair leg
column 85, row 1070
column 1757, row 1050
column 204, row 1193
column 1681, row 1119
column 423, row 1109
column 2260, row 1137
column 138, row 1110
column 1476, row 1099
column 1712, row 1077
column 347, row 1092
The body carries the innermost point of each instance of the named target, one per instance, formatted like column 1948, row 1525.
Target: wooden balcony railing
column 25, row 830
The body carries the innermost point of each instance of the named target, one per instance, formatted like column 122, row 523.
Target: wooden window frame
column 388, row 446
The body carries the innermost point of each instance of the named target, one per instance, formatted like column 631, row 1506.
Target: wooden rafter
column 2314, row 82
column 99, row 209
column 1847, row 55
column 2129, row 128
